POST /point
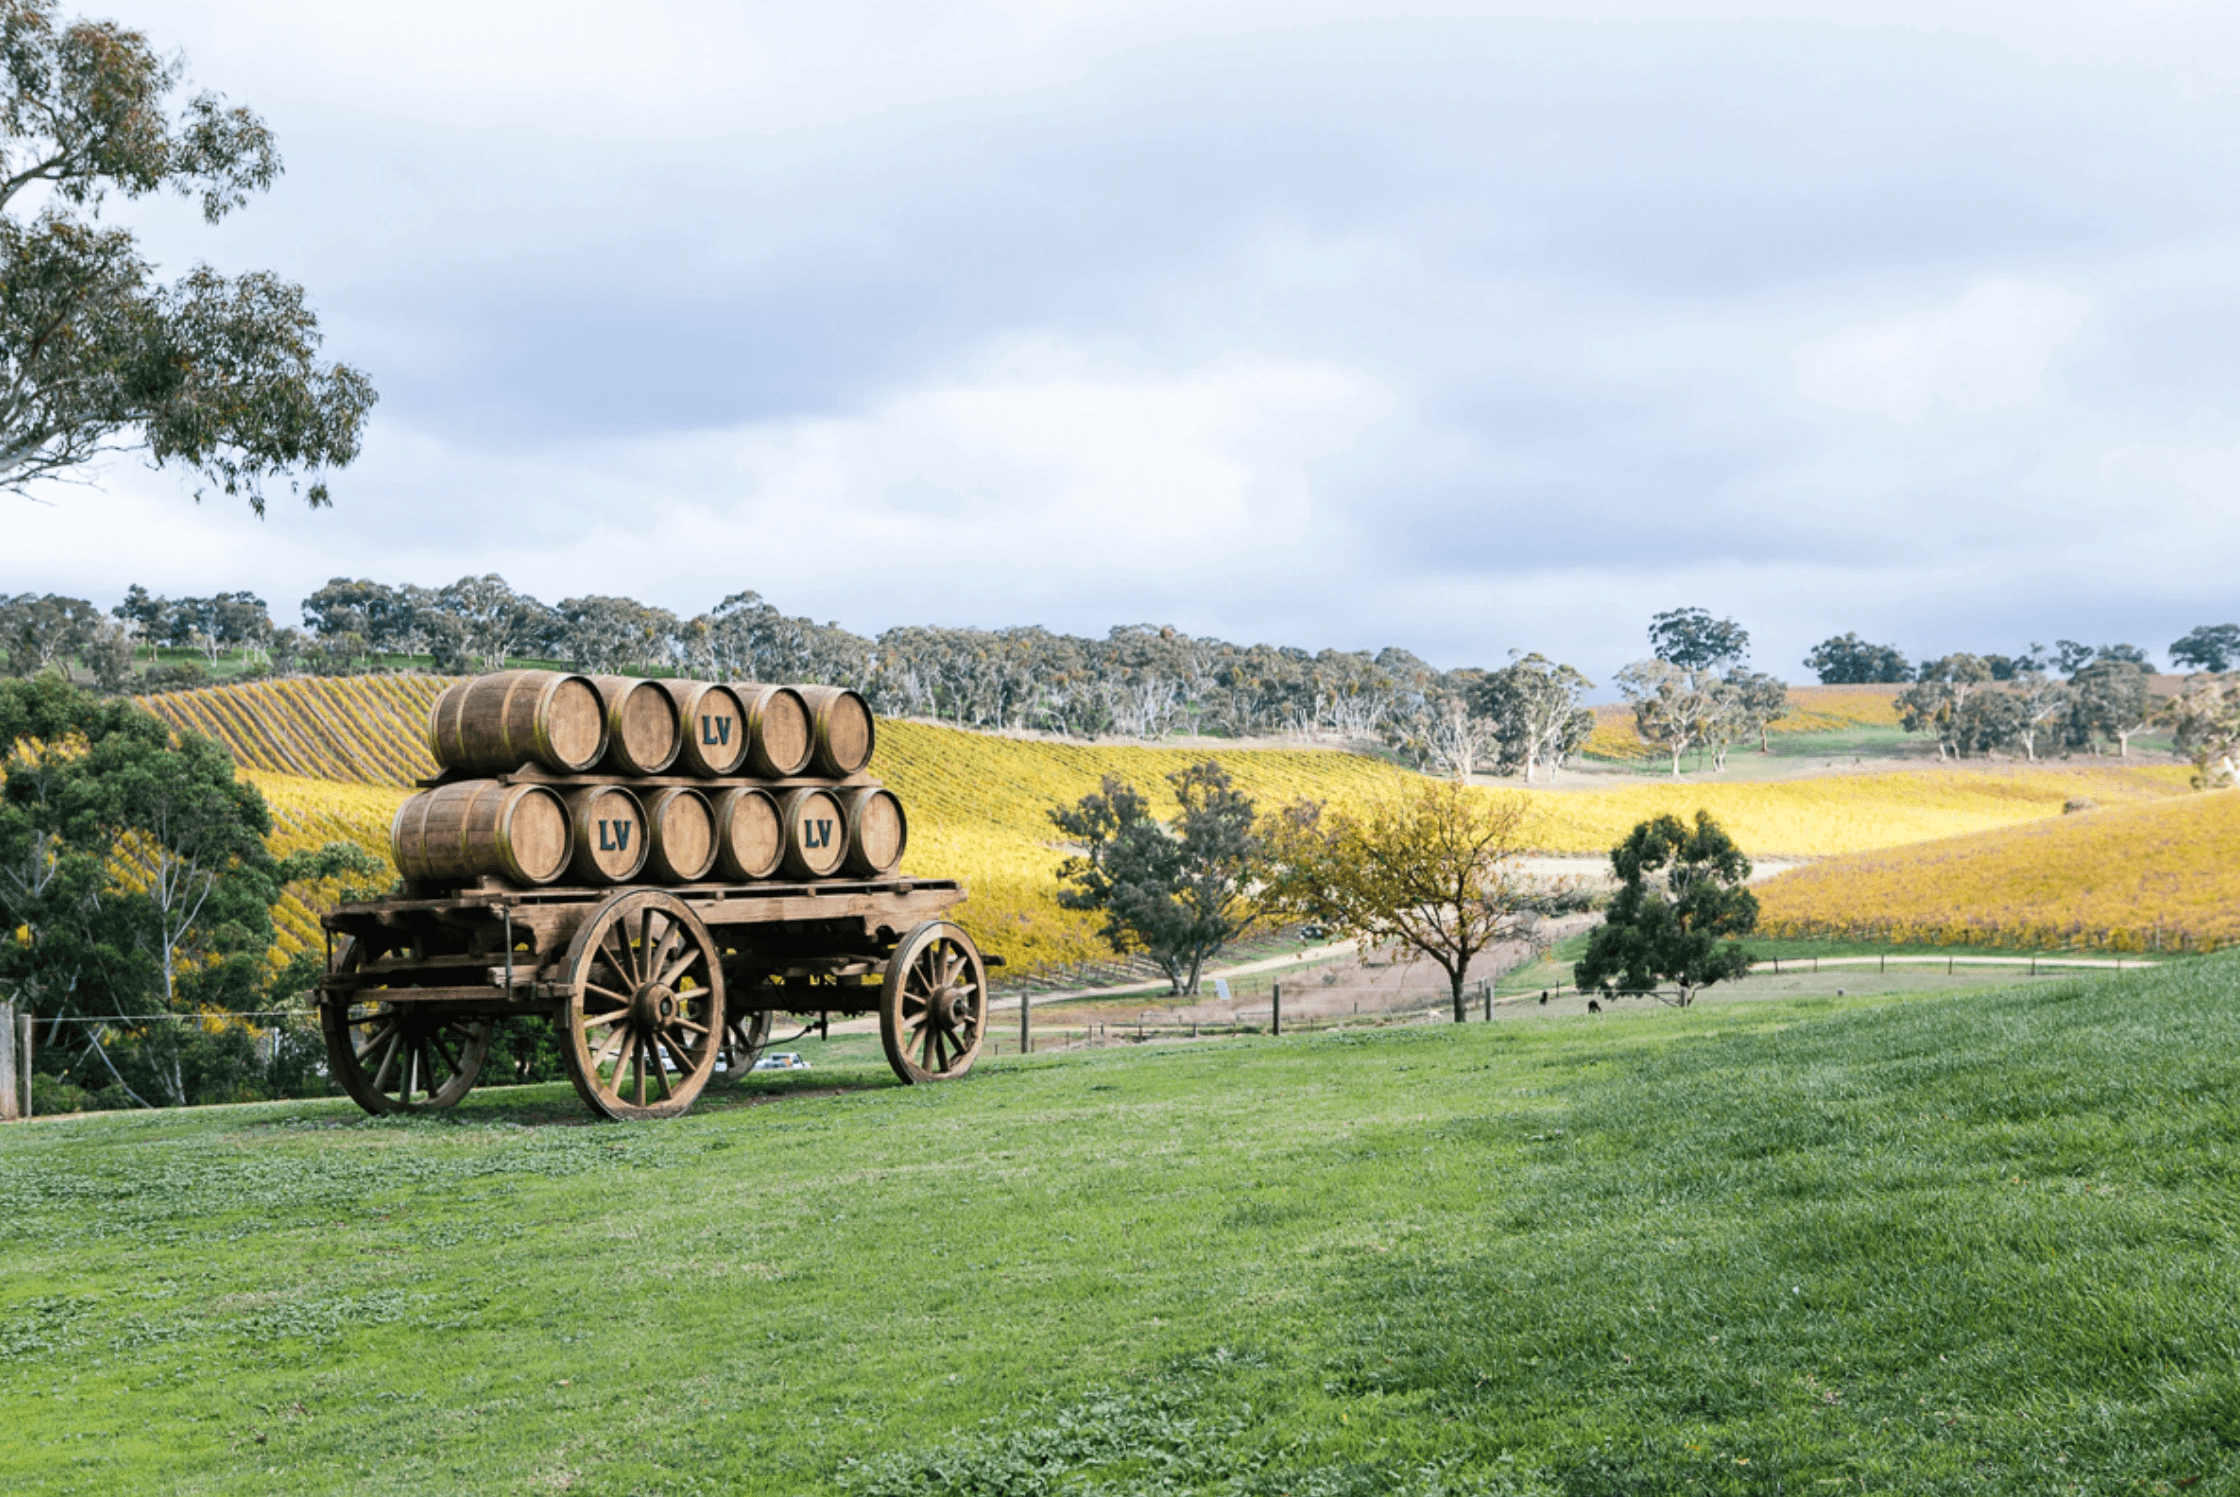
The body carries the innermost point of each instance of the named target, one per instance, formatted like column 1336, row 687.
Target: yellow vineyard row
column 2154, row 875
column 364, row 730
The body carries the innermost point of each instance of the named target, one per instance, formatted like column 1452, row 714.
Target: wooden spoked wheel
column 934, row 1008
column 643, row 1020
column 745, row 1037
column 399, row 1057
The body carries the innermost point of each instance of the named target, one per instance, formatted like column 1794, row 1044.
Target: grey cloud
column 1359, row 324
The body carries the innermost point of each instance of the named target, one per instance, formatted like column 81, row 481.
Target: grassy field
column 1973, row 1244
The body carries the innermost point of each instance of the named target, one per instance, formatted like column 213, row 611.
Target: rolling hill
column 335, row 756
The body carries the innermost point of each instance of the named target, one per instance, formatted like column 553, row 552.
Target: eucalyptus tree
column 2041, row 703
column 1179, row 890
column 134, row 874
column 2206, row 717
column 1536, row 707
column 1682, row 898
column 2211, row 647
column 1676, row 708
column 611, row 635
column 221, row 376
column 1848, row 660
column 2112, row 700
column 1939, row 697
column 1758, row 701
column 1693, row 640
column 38, row 631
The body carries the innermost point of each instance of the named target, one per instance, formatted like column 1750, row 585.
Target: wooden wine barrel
column 607, row 827
column 681, row 836
column 777, row 730
column 816, row 833
column 713, row 723
column 840, row 729
column 642, row 733
column 750, row 839
column 497, row 723
column 877, row 830
column 472, row 828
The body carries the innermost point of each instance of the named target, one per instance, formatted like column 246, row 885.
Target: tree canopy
column 1177, row 892
column 1437, row 869
column 134, row 876
column 1693, row 640
column 218, row 375
column 1848, row 660
column 2212, row 647
column 1681, row 899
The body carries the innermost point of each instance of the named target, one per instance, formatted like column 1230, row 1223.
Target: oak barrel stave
column 470, row 829
column 680, row 836
column 497, row 723
column 750, row 835
column 779, row 739
column 841, row 730
column 877, row 830
column 643, row 735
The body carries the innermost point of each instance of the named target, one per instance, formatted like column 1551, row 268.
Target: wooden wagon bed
column 651, row 990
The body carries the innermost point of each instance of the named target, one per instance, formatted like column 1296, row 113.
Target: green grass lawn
column 1980, row 1243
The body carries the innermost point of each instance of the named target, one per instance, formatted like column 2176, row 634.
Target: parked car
column 783, row 1060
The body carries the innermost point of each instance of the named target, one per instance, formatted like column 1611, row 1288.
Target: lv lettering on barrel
column 471, row 829
column 750, row 839
column 681, row 835
column 495, row 724
column 816, row 833
column 607, row 828
column 714, row 728
column 642, row 729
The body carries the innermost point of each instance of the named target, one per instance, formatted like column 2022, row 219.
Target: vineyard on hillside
column 1812, row 709
column 2154, row 876
column 334, row 758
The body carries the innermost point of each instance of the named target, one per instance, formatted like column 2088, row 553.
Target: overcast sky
column 1458, row 327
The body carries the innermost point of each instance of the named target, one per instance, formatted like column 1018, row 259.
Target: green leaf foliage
column 1682, row 897
column 135, row 880
column 220, row 375
column 1179, row 892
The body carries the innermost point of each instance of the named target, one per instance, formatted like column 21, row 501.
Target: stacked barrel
column 551, row 777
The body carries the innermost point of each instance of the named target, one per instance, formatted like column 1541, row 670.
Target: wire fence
column 27, row 1035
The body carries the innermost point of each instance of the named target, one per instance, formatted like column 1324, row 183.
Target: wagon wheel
column 643, row 1020
column 935, row 1004
column 745, row 1037
column 399, row 1057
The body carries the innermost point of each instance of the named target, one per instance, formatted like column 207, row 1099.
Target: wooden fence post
column 23, row 1056
column 8, row 1109
column 1488, row 986
column 1275, row 1011
column 1026, row 1036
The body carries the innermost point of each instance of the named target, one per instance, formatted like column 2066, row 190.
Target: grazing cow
column 1593, row 1007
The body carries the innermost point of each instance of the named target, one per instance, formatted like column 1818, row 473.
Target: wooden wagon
column 651, row 991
